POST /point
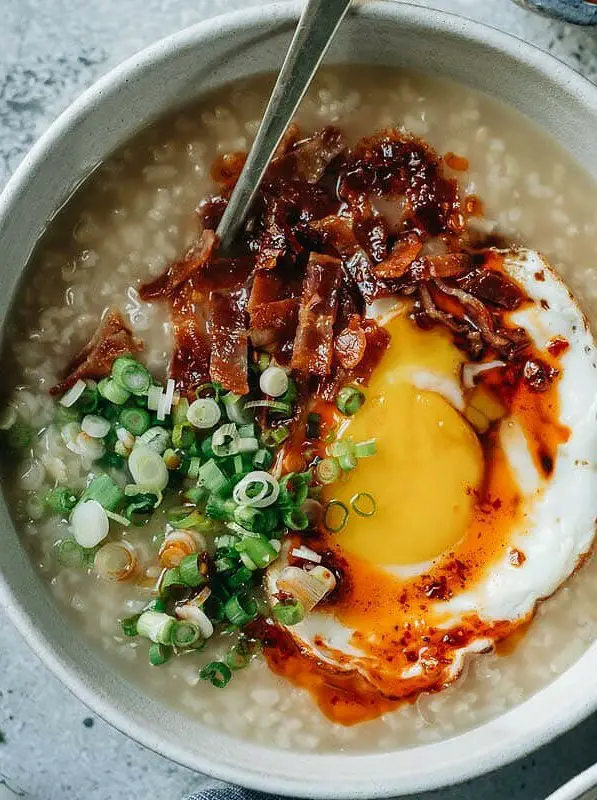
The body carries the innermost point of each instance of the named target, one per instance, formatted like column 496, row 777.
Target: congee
column 330, row 489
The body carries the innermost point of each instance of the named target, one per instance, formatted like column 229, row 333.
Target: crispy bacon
column 189, row 365
column 338, row 235
column 273, row 313
column 228, row 335
column 407, row 249
column 196, row 258
column 111, row 340
column 493, row 287
column 313, row 345
column 350, row 344
column 313, row 156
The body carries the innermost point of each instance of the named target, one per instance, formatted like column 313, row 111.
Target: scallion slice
column 335, row 516
column 70, row 397
column 204, row 413
column 328, row 470
column 349, row 400
column 271, row 405
column 238, row 657
column 61, row 500
column 365, row 449
column 234, row 405
column 105, row 490
column 240, row 609
column 364, row 504
column 263, row 459
column 147, row 467
column 128, row 625
column 156, row 438
column 290, row 613
column 183, row 436
column 249, row 517
column 212, row 477
column 241, row 578
column 258, row 489
column 273, row 381
column 158, row 654
column 190, row 571
column 69, row 553
column 89, row 523
column 258, row 549
column 131, row 375
column 218, row 507
column 225, row 440
column 112, row 391
column 185, row 633
column 135, row 420
column 295, row 519
column 217, row 673
column 273, row 437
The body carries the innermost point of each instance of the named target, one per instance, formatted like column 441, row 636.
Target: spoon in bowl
column 316, row 29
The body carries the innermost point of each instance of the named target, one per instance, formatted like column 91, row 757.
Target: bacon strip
column 111, row 340
column 402, row 256
column 313, row 345
column 273, row 314
column 228, row 334
column 355, row 261
column 195, row 259
column 314, row 155
column 189, row 365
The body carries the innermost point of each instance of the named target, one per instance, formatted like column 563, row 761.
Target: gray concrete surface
column 50, row 744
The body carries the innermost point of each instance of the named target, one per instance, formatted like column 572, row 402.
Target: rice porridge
column 134, row 217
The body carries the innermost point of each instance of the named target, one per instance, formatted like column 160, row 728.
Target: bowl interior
column 170, row 74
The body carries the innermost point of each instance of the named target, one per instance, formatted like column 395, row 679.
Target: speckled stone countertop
column 50, row 744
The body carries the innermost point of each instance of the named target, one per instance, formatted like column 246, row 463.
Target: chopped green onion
column 105, row 491
column 87, row 402
column 190, row 572
column 289, row 613
column 258, row 549
column 216, row 388
column 170, row 578
column 128, row 625
column 212, row 477
column 225, row 440
column 295, row 519
column 247, row 431
column 335, row 516
column 183, row 435
column 271, row 405
column 184, row 518
column 194, row 467
column 365, row 449
column 95, row 426
column 156, row 438
column 238, row 657
column 158, row 654
column 154, row 397
column 125, row 521
column 273, row 381
column 147, row 467
column 249, row 517
column 225, row 564
column 217, row 673
column 185, row 633
column 218, row 507
column 240, row 609
column 291, row 393
column 70, row 554
column 263, row 361
column 70, row 397
column 234, row 405
column 364, row 504
column 155, row 625
column 196, row 495
column 313, row 426
column 131, row 375
column 144, row 503
column 180, row 412
column 347, row 462
column 248, row 445
column 204, row 413
column 61, row 500
column 258, row 489
column 263, row 459
column 135, row 420
column 349, row 400
column 113, row 392
column 241, row 578
column 273, row 437
column 294, row 487
column 327, row 470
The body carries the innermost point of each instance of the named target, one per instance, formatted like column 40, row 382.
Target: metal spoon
column 316, row 28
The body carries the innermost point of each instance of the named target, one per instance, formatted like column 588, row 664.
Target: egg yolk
column 428, row 459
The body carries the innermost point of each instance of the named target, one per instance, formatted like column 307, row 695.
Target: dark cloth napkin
column 215, row 790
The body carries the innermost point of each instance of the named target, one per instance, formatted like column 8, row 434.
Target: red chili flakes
column 438, row 589
column 557, row 346
column 540, row 275
column 455, row 162
column 538, row 374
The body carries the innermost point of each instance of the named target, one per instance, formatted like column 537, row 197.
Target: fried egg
column 470, row 532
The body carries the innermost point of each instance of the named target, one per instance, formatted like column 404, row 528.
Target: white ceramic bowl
column 170, row 73
column 583, row 787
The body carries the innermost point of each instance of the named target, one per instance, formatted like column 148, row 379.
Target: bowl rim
column 489, row 756
column 578, row 787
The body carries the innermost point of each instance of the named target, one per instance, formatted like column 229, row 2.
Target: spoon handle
column 316, row 28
